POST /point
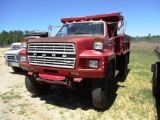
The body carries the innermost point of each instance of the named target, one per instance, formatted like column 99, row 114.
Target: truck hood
column 15, row 52
column 81, row 42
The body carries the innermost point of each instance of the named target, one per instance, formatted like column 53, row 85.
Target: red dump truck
column 86, row 51
column 155, row 68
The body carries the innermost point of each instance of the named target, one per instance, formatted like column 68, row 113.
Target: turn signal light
column 98, row 44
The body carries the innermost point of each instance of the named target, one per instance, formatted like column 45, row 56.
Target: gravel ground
column 16, row 103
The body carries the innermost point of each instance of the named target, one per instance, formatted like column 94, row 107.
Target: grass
column 8, row 96
column 136, row 96
column 133, row 99
column 22, row 108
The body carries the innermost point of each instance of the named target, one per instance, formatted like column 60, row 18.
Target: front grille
column 12, row 57
column 61, row 55
column 16, row 47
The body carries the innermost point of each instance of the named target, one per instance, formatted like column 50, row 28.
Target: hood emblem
column 64, row 56
column 53, row 55
column 43, row 55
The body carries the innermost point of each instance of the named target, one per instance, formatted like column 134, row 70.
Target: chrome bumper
column 14, row 64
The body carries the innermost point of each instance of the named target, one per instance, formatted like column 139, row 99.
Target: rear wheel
column 102, row 88
column 35, row 87
column 124, row 65
column 17, row 69
column 156, row 80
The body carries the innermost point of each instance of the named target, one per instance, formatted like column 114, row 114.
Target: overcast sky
column 142, row 16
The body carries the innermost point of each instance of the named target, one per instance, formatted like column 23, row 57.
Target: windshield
column 82, row 28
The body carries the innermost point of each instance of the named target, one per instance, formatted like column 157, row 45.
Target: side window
column 63, row 31
column 112, row 28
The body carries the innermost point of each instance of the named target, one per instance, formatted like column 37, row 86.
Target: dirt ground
column 61, row 103
column 16, row 103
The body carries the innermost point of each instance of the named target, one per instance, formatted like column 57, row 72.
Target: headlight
column 23, row 59
column 98, row 44
column 93, row 64
column 24, row 44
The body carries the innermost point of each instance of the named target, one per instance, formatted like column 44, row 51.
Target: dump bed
column 112, row 17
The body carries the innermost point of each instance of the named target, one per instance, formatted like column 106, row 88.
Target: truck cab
column 87, row 50
column 15, row 46
column 11, row 56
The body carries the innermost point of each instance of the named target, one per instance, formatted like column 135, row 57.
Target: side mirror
column 120, row 28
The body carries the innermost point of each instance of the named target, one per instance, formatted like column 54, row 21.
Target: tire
column 34, row 87
column 17, row 69
column 124, row 65
column 102, row 88
column 156, row 80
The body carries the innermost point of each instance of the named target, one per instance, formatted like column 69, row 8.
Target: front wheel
column 102, row 88
column 34, row 87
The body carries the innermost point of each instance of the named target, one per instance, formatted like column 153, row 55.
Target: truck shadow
column 117, row 79
column 157, row 104
column 75, row 98
column 69, row 98
column 24, row 72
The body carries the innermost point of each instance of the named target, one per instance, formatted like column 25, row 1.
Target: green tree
column 11, row 37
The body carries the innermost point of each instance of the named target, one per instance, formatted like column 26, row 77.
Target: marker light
column 24, row 43
column 98, row 44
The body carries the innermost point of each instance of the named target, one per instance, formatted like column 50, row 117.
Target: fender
column 110, row 55
column 104, row 58
column 23, row 65
column 22, row 52
column 94, row 54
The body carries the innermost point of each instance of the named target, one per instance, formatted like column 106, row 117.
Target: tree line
column 149, row 38
column 10, row 37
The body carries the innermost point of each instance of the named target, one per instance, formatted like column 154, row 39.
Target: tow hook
column 69, row 81
column 35, row 75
